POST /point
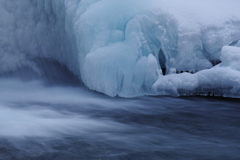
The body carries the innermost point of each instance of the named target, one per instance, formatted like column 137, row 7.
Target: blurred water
column 38, row 122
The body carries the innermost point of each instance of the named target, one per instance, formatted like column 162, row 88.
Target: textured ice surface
column 128, row 48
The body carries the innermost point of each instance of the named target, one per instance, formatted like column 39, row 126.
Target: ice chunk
column 230, row 57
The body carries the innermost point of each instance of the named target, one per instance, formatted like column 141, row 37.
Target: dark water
column 40, row 123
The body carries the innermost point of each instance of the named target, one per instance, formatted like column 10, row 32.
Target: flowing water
column 39, row 122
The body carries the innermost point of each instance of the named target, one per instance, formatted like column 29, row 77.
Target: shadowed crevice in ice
column 51, row 72
column 162, row 61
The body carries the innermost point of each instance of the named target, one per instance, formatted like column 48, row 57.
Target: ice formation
column 128, row 48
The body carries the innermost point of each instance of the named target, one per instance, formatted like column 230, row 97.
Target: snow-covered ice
column 128, row 48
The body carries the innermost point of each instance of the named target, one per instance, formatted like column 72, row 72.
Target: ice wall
column 128, row 48
column 32, row 29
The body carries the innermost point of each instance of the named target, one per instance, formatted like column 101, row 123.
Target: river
column 65, row 122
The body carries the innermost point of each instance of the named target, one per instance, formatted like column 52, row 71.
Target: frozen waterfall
column 128, row 48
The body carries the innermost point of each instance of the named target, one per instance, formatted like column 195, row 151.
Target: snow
column 120, row 47
column 230, row 57
column 221, row 80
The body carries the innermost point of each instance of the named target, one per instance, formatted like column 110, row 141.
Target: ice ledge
column 221, row 80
